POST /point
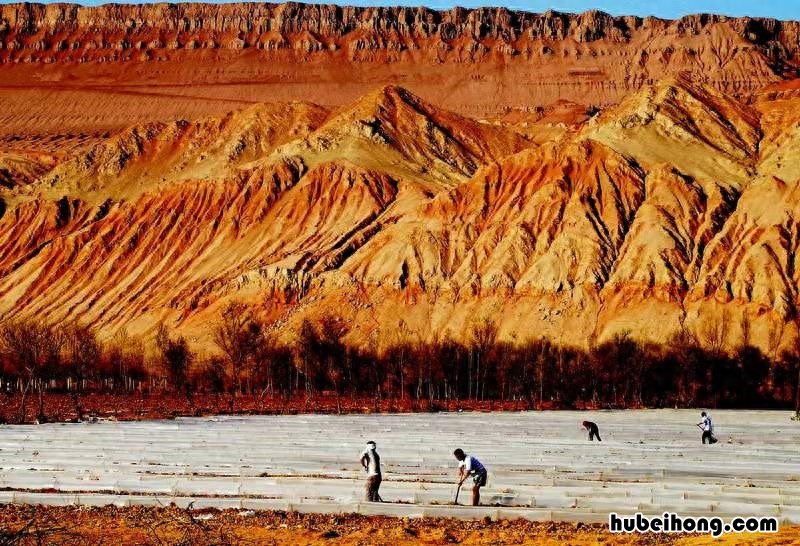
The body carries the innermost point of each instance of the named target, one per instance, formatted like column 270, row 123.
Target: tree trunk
column 22, row 412
column 541, row 383
column 797, row 395
column 40, row 415
column 77, row 404
column 402, row 381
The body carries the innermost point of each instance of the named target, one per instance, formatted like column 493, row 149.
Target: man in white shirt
column 470, row 466
column 371, row 462
column 707, row 426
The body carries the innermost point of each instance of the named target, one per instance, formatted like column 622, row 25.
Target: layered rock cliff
column 315, row 27
column 535, row 58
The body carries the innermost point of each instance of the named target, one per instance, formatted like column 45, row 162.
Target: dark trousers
column 708, row 436
column 373, row 484
column 594, row 433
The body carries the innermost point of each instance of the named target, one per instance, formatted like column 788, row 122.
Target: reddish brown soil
column 170, row 525
column 132, row 407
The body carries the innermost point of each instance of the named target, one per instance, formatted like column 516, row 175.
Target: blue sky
column 780, row 9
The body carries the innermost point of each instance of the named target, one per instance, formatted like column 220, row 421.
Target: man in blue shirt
column 707, row 426
column 470, row 466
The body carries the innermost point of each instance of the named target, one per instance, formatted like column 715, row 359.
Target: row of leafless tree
column 37, row 358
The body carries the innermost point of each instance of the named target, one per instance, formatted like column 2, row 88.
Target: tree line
column 37, row 358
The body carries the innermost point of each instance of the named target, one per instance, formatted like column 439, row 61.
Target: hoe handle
column 458, row 490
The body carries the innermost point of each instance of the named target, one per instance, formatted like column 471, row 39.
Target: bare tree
column 797, row 359
column 21, row 341
column 797, row 391
column 263, row 366
column 176, row 357
column 37, row 349
column 403, row 338
column 484, row 337
column 715, row 332
column 82, row 354
column 306, row 350
column 125, row 355
column 332, row 331
column 747, row 327
column 238, row 335
column 775, row 336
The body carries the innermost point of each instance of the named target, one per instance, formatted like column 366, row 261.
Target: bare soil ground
column 133, row 407
column 170, row 525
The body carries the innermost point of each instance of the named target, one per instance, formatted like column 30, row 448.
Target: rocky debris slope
column 392, row 129
column 137, row 158
column 20, row 169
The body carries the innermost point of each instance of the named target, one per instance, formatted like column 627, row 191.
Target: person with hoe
column 707, row 426
column 469, row 466
column 594, row 432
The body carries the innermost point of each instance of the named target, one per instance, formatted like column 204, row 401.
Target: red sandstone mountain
column 671, row 208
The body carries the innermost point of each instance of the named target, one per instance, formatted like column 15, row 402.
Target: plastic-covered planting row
column 286, row 487
column 606, row 454
column 431, row 445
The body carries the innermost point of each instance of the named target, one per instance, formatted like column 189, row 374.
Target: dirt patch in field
column 136, row 406
column 170, row 525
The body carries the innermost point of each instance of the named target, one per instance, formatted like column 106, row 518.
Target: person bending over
column 593, row 430
column 470, row 466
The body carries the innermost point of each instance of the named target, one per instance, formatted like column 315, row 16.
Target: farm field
column 541, row 466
